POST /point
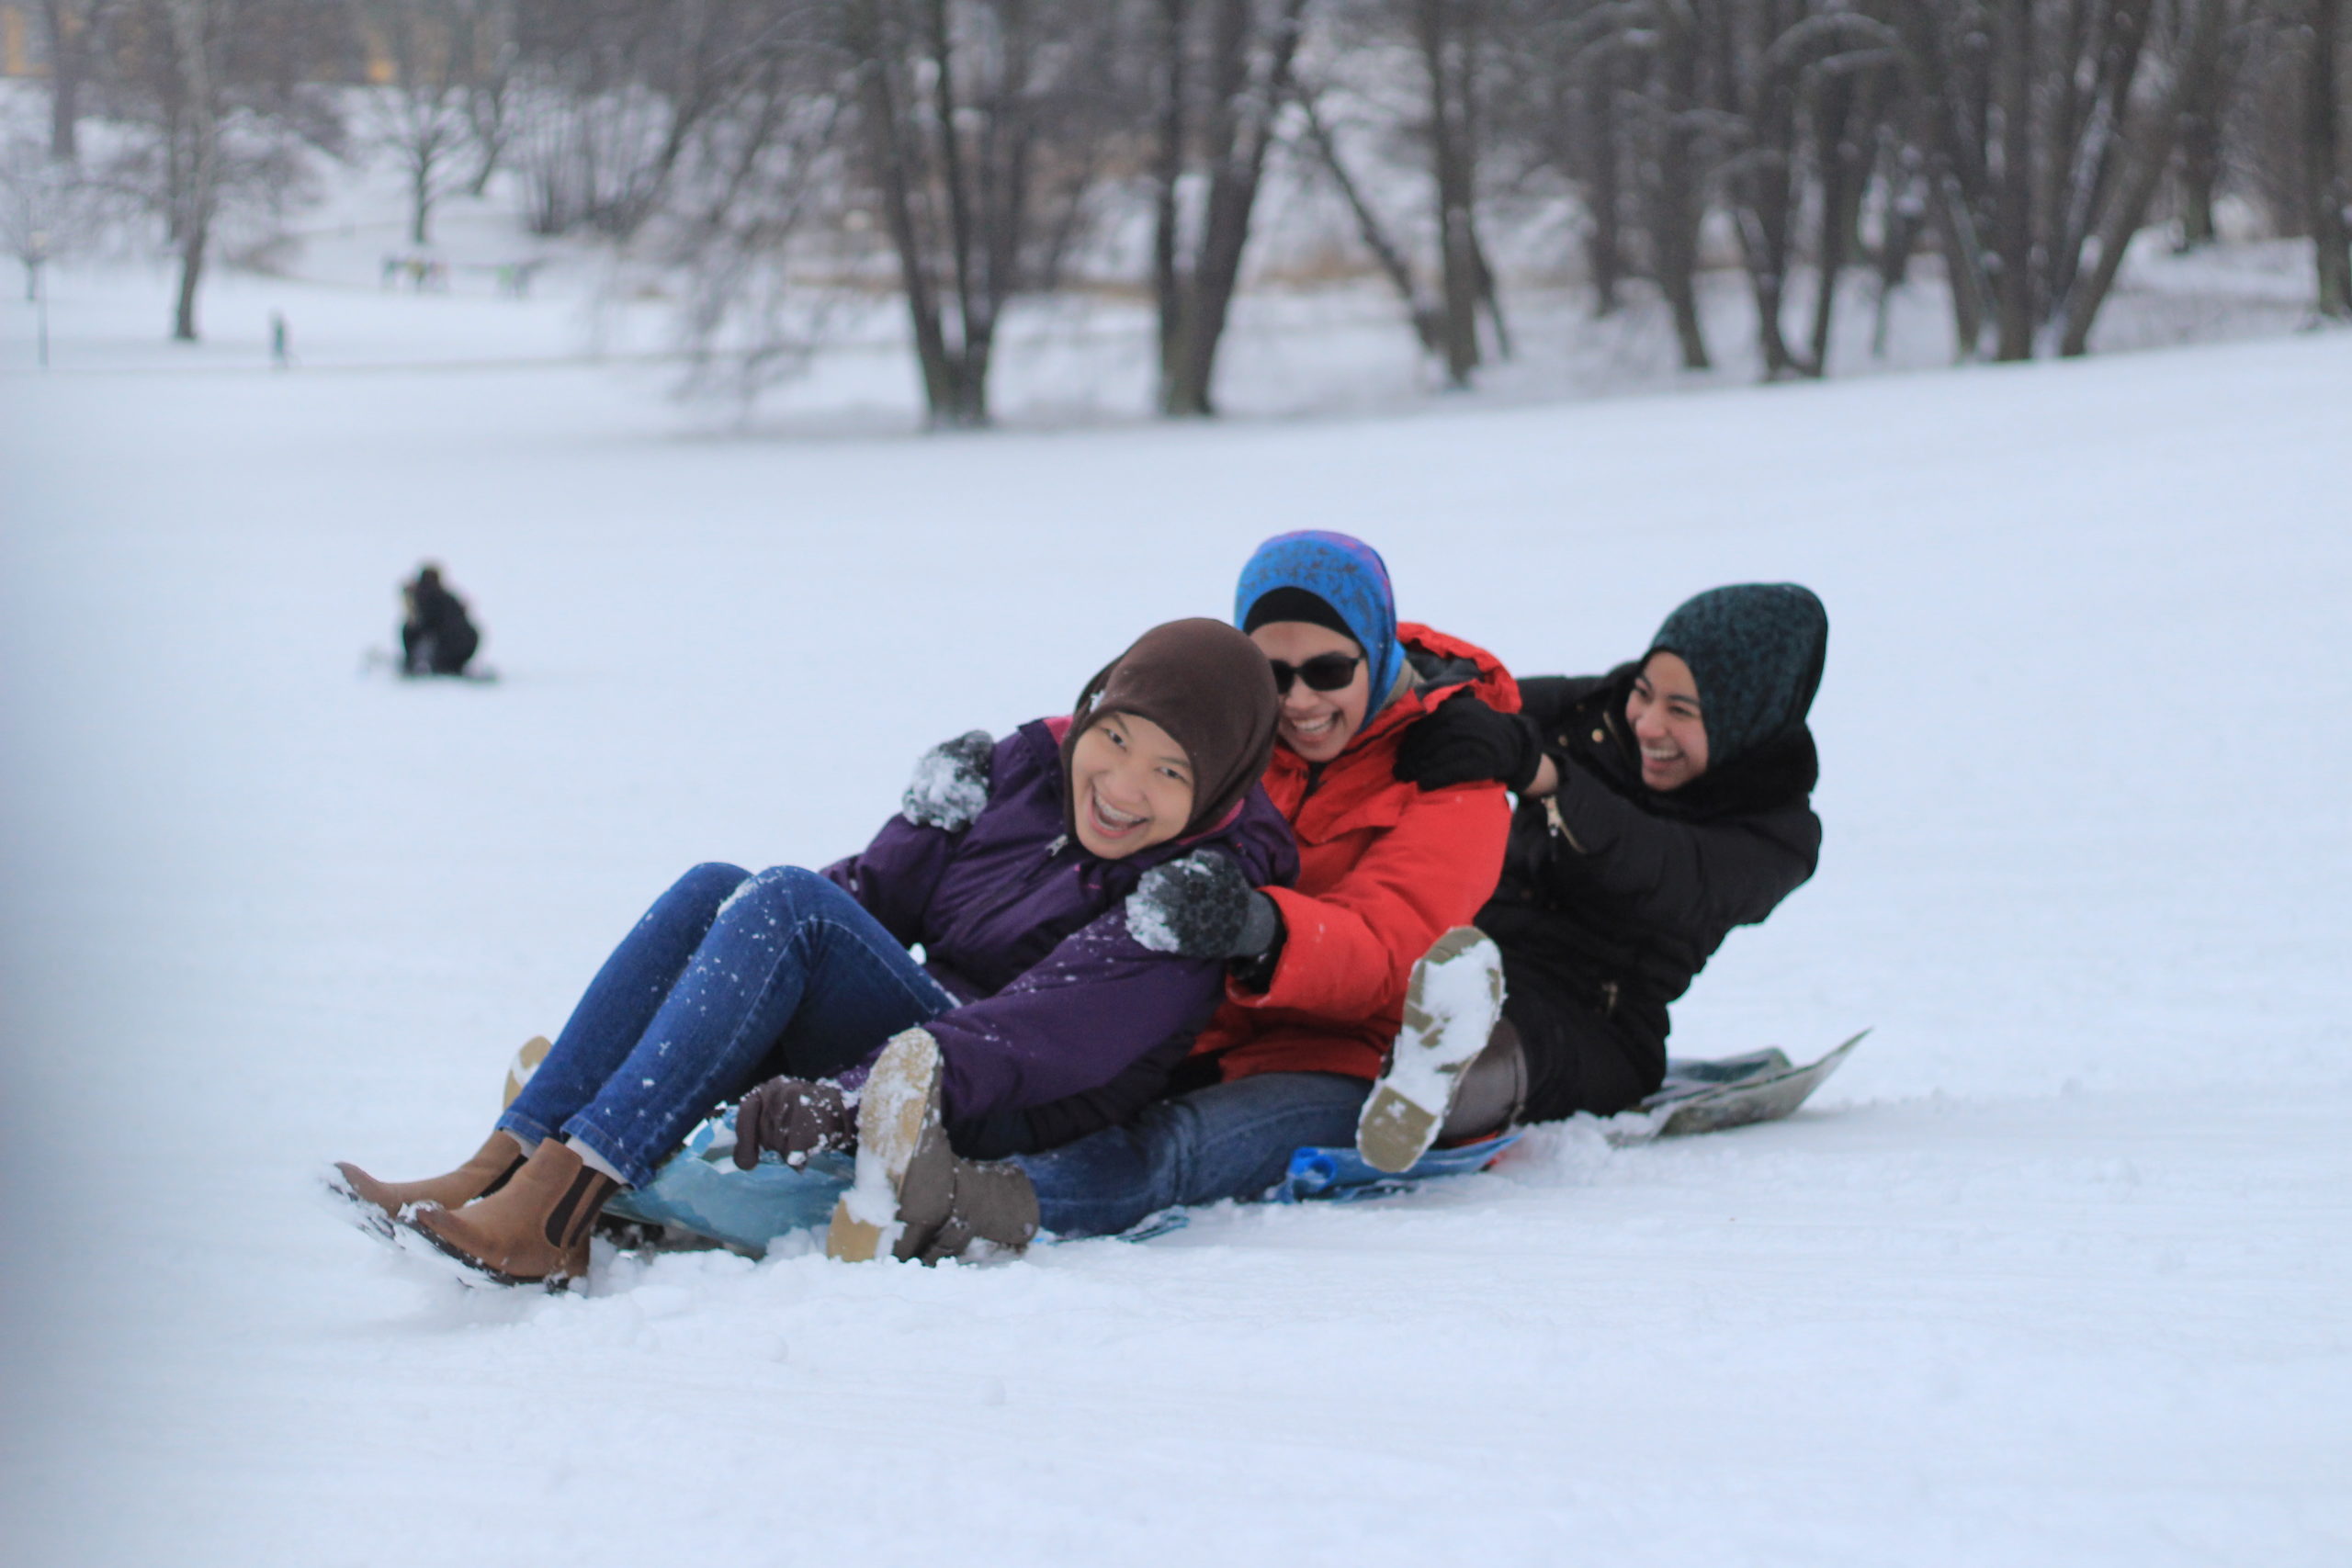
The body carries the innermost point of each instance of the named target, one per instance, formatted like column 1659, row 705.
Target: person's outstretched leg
column 793, row 975
column 1230, row 1140
column 611, row 1015
column 620, row 1002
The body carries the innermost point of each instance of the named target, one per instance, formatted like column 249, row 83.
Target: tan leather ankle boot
column 534, row 1230
column 491, row 1167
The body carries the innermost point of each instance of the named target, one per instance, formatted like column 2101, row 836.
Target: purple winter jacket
column 1030, row 931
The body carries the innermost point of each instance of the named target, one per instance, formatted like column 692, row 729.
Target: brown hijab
column 1209, row 687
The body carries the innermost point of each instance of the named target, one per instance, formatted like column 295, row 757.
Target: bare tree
column 490, row 88
column 2040, row 149
column 1387, row 252
column 1449, row 34
column 1676, row 155
column 218, row 88
column 983, row 127
column 2323, row 182
column 761, row 187
column 2204, row 125
column 423, row 116
column 74, row 30
column 1217, row 98
column 611, row 92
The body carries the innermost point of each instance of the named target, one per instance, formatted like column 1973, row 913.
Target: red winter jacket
column 1385, row 867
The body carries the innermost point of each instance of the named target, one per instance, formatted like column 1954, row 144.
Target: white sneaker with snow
column 1452, row 1004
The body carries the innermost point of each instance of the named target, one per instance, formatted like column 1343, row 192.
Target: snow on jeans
column 1230, row 1140
column 729, row 979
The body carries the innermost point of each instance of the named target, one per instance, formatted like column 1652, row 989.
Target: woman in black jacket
column 1659, row 806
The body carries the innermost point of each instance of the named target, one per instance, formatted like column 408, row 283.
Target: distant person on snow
column 1011, row 863
column 437, row 637
column 1659, row 806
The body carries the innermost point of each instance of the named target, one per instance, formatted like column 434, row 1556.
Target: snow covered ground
column 2059, row 1268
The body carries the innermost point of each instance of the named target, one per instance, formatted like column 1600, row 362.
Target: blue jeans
column 1230, row 1140
column 729, row 979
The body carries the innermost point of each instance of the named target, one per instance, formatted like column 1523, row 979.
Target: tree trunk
column 888, row 148
column 1386, row 251
column 1765, row 190
column 192, row 243
column 2145, row 169
column 198, row 167
column 1906, row 215
column 421, row 201
column 1168, row 169
column 1444, row 54
column 1605, row 248
column 1675, row 206
column 1843, row 170
column 1241, row 129
column 2013, row 206
column 2323, row 179
column 2197, row 173
column 69, row 57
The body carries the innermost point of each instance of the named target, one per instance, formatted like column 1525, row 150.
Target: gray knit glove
column 1201, row 906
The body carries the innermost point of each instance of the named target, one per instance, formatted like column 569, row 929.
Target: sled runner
column 374, row 658
column 1732, row 1091
column 1697, row 1096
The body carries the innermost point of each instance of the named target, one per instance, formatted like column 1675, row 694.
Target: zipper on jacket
column 1552, row 815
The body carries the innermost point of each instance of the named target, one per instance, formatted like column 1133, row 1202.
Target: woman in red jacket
column 1318, row 974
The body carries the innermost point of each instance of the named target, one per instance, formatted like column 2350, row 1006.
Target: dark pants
column 445, row 651
column 1576, row 1058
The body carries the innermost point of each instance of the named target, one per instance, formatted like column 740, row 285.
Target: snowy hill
column 2054, row 1272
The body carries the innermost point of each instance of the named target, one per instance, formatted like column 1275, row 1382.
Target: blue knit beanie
column 1345, row 573
column 1755, row 650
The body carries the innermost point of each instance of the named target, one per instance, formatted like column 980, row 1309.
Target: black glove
column 795, row 1118
column 951, row 783
column 1465, row 741
column 1201, row 906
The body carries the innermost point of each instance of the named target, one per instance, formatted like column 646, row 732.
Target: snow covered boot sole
column 1451, row 1006
column 898, row 1106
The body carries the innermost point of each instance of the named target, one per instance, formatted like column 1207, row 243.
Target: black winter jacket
column 1614, row 896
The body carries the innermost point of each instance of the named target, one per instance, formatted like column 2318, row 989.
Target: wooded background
column 965, row 154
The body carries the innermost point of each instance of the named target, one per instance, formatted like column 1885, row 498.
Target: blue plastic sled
column 700, row 1192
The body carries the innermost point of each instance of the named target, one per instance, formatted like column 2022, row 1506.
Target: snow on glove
column 951, row 783
column 1201, row 906
column 795, row 1119
column 1465, row 741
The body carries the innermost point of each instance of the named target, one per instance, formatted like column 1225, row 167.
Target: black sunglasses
column 1324, row 672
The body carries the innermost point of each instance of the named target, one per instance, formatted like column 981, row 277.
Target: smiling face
column 1663, row 712
column 1316, row 725
column 1131, row 786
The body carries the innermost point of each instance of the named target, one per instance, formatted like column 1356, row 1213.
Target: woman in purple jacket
column 1011, row 863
